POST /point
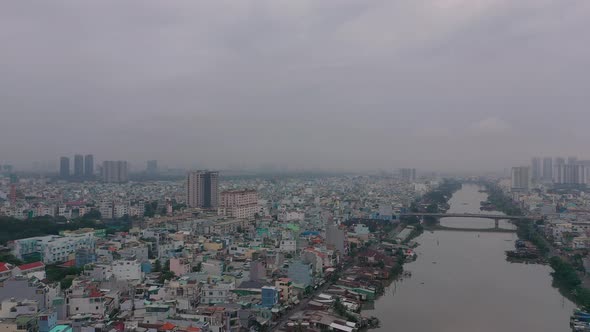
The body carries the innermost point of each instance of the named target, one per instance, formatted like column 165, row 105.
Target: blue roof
column 61, row 328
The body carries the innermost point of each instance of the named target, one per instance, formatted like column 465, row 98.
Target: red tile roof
column 167, row 327
column 70, row 263
column 4, row 267
column 30, row 266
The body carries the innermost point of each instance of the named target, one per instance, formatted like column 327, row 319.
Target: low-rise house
column 21, row 288
column 180, row 266
column 127, row 270
column 11, row 308
column 36, row 269
column 285, row 287
column 85, row 297
column 217, row 291
column 5, row 270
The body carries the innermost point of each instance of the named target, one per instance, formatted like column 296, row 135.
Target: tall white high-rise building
column 114, row 171
column 408, row 174
column 570, row 174
column 547, row 169
column 202, row 189
column 536, row 172
column 559, row 161
column 520, row 179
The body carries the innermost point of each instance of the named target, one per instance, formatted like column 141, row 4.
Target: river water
column 461, row 281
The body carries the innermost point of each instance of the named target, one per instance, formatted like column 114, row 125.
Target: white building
column 86, row 298
column 287, row 216
column 36, row 269
column 288, row 246
column 127, row 270
column 216, row 292
column 53, row 248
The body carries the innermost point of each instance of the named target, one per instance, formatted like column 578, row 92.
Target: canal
column 461, row 281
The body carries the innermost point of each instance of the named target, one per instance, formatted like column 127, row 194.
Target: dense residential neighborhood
column 268, row 254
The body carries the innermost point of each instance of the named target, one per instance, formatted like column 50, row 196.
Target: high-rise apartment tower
column 202, row 189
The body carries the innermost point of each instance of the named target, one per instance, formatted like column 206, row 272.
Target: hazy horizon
column 449, row 85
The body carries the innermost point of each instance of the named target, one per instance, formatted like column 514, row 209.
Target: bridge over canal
column 495, row 217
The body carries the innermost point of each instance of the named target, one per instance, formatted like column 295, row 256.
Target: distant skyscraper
column 78, row 166
column 572, row 160
column 64, row 167
column 114, row 171
column 520, row 179
column 559, row 161
column 408, row 174
column 570, row 174
column 548, row 169
column 536, row 169
column 89, row 166
column 202, row 189
column 152, row 167
column 586, row 164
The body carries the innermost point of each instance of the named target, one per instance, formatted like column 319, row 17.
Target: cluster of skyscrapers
column 110, row 171
column 83, row 168
column 557, row 171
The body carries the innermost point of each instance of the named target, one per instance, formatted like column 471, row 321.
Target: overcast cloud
column 341, row 84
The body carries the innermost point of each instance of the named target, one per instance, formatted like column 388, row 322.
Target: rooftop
column 30, row 266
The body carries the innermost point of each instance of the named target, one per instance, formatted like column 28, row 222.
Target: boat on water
column 580, row 321
column 522, row 254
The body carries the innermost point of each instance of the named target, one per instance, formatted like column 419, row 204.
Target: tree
column 198, row 267
column 93, row 214
column 150, row 209
column 10, row 259
column 167, row 275
column 157, row 266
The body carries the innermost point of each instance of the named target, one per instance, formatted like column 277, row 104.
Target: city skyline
column 453, row 85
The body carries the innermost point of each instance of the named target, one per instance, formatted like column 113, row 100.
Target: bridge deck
column 470, row 215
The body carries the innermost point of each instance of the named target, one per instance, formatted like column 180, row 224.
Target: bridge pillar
column 496, row 223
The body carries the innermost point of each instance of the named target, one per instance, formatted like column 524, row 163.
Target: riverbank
column 565, row 277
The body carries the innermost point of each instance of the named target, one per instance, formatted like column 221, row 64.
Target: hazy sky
column 363, row 84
